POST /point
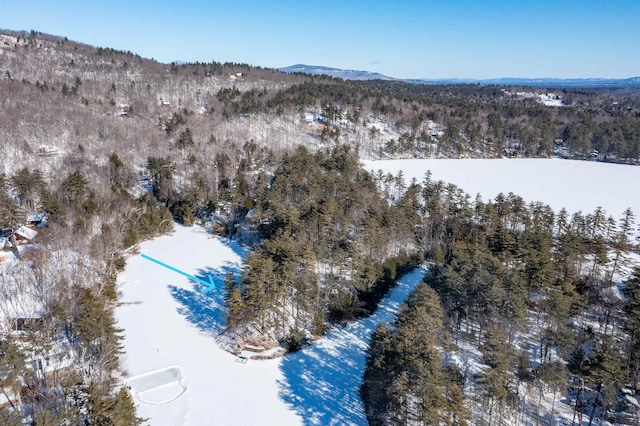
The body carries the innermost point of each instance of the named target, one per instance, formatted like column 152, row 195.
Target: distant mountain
column 336, row 72
column 633, row 82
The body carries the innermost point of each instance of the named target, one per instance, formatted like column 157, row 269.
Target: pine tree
column 11, row 215
column 27, row 184
column 605, row 375
column 404, row 381
column 378, row 375
column 631, row 308
column 104, row 408
column 51, row 417
column 233, row 300
column 122, row 410
column 496, row 354
column 161, row 173
column 185, row 139
column 73, row 187
column 10, row 418
column 555, row 377
column 13, row 369
column 622, row 242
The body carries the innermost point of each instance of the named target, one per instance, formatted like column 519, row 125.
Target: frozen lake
column 574, row 185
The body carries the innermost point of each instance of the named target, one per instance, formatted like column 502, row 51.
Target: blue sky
column 403, row 39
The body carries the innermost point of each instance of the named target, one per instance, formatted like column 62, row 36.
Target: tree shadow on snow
column 322, row 381
column 235, row 246
column 204, row 307
column 229, row 242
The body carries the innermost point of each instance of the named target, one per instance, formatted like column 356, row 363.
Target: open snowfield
column 574, row 185
column 170, row 324
column 178, row 374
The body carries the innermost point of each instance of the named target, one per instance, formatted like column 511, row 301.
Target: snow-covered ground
column 180, row 376
column 574, row 185
column 170, row 325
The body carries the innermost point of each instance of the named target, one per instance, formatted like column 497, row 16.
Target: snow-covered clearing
column 169, row 321
column 180, row 376
column 574, row 185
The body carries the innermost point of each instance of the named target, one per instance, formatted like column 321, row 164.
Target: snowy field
column 170, row 324
column 574, row 185
column 178, row 374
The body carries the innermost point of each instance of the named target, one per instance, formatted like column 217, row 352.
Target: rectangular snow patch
column 154, row 379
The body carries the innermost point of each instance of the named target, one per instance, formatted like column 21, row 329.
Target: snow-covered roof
column 26, row 232
column 37, row 217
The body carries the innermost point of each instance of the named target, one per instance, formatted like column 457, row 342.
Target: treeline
column 609, row 140
column 508, row 277
column 479, row 121
column 115, row 99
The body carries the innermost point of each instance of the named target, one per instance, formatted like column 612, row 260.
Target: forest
column 114, row 149
column 506, row 275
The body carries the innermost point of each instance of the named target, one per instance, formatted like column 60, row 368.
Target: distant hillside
column 335, row 72
column 633, row 82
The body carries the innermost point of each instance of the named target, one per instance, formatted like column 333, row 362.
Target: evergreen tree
column 378, row 375
column 27, row 184
column 10, row 418
column 404, row 381
column 631, row 308
column 161, row 173
column 74, row 187
column 605, row 375
column 11, row 215
column 106, row 408
column 185, row 139
column 233, row 300
column 622, row 242
column 554, row 376
column 13, row 370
